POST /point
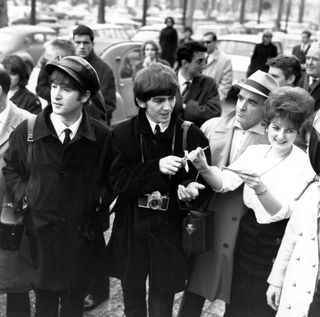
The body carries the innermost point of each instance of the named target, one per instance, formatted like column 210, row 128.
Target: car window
column 129, row 63
column 36, row 39
column 236, row 47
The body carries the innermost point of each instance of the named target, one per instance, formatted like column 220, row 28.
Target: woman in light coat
column 294, row 279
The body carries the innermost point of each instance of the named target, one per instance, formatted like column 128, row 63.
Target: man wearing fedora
column 62, row 246
column 228, row 136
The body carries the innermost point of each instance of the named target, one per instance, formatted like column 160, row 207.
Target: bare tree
column 280, row 9
column 301, row 10
column 242, row 11
column 33, row 12
column 3, row 13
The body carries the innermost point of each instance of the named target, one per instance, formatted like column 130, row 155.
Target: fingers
column 183, row 193
column 170, row 165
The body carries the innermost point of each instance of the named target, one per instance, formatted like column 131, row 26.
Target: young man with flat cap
column 228, row 136
column 63, row 241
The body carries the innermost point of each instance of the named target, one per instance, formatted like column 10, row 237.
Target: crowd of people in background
column 259, row 179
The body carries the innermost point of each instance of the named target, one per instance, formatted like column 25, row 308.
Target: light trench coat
column 296, row 266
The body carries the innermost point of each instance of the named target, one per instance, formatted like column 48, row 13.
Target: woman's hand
column 273, row 296
column 254, row 181
column 190, row 192
column 198, row 159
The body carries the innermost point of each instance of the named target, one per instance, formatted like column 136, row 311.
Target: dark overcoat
column 168, row 41
column 63, row 240
column 26, row 100
column 144, row 237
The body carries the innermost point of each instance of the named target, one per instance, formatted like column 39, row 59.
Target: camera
column 154, row 201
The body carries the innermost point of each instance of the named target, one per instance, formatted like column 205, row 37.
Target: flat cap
column 79, row 69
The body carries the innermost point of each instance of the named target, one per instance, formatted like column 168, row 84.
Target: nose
column 281, row 134
column 55, row 92
column 242, row 104
column 167, row 104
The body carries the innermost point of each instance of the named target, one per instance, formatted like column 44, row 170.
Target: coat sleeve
column 226, row 80
column 129, row 176
column 206, row 108
column 14, row 171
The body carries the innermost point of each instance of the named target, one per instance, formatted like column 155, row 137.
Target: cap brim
column 50, row 67
column 252, row 89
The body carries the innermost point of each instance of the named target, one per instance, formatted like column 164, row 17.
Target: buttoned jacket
column 296, row 266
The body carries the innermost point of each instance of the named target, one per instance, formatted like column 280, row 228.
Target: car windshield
column 111, row 34
column 236, row 48
column 7, row 41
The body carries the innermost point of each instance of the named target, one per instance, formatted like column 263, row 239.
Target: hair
column 289, row 64
column 186, row 51
column 63, row 45
column 82, row 29
column 153, row 43
column 307, row 33
column 169, row 18
column 267, row 33
column 289, row 103
column 60, row 77
column 5, row 80
column 212, row 34
column 188, row 29
column 14, row 64
column 155, row 80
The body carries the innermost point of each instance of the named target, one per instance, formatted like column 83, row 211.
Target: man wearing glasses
column 262, row 52
column 218, row 65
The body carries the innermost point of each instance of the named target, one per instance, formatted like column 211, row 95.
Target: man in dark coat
column 63, row 243
column 169, row 41
column 262, row 52
column 83, row 39
column 149, row 162
column 301, row 50
column 198, row 97
column 310, row 81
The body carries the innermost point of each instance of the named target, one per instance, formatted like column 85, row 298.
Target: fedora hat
column 79, row 69
column 260, row 83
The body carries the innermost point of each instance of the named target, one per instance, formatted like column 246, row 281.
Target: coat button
column 308, row 291
column 294, row 284
column 300, row 233
column 289, row 307
column 298, row 258
column 313, row 265
column 226, row 245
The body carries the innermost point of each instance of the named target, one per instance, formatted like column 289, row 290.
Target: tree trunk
column 101, row 12
column 33, row 12
column 144, row 12
column 259, row 11
column 301, row 10
column 280, row 9
column 184, row 12
column 3, row 13
column 242, row 11
column 190, row 13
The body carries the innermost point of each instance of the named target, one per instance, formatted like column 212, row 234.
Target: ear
column 291, row 79
column 141, row 103
column 184, row 63
column 85, row 97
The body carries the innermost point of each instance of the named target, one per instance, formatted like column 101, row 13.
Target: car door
column 123, row 58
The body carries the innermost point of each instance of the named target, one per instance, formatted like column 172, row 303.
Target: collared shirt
column 284, row 178
column 240, row 136
column 4, row 116
column 316, row 121
column 213, row 56
column 59, row 126
column 182, row 81
column 163, row 126
column 312, row 80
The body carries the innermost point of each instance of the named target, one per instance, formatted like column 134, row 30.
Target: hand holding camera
column 171, row 164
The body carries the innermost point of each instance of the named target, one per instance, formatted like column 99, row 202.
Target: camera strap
column 172, row 148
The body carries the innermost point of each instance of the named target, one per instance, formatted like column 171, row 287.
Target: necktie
column 313, row 83
column 185, row 90
column 67, row 139
column 157, row 130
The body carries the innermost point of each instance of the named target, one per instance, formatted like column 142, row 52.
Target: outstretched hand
column 198, row 159
column 189, row 192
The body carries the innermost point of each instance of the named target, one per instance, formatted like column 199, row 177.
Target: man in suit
column 228, row 136
column 301, row 50
column 83, row 39
column 198, row 100
column 311, row 80
column 10, row 275
column 218, row 65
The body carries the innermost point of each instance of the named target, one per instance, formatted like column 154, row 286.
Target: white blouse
column 285, row 178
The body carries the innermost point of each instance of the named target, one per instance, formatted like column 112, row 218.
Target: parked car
column 123, row 58
column 240, row 49
column 26, row 41
column 105, row 34
column 202, row 29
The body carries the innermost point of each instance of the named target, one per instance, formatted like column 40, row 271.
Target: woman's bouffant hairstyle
column 15, row 65
column 289, row 103
column 155, row 80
